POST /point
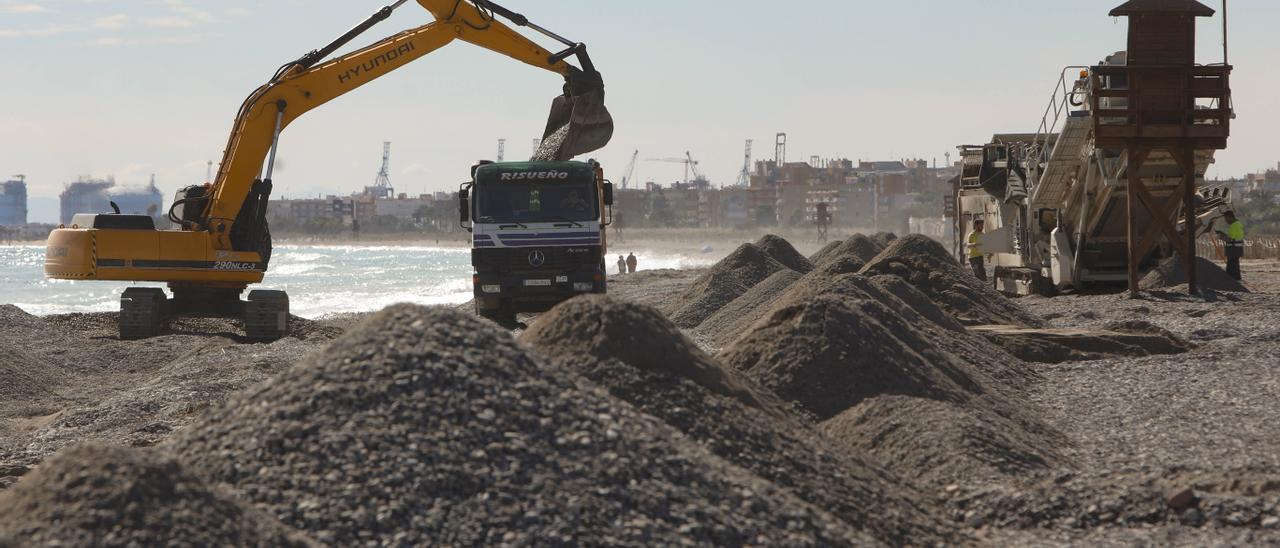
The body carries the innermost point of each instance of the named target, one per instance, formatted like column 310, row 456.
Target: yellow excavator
column 222, row 243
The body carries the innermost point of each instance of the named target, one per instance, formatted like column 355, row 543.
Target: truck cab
column 537, row 234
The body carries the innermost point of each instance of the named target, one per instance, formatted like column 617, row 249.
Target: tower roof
column 1134, row 7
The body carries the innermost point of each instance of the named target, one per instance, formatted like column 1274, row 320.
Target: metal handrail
column 1059, row 103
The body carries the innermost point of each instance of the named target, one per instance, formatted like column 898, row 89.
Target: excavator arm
column 240, row 191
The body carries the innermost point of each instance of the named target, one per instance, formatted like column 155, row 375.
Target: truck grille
column 534, row 260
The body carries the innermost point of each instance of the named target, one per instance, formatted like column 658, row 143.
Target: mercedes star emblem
column 537, row 258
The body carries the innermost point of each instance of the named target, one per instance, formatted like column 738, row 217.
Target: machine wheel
column 143, row 311
column 266, row 315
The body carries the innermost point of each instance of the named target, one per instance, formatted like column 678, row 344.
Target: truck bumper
column 535, row 293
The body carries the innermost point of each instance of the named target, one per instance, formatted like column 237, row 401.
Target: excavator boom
column 579, row 115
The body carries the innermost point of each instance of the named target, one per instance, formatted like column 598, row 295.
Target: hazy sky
column 134, row 87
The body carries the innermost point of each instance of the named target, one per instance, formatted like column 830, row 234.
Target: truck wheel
column 503, row 315
column 143, row 311
column 266, row 315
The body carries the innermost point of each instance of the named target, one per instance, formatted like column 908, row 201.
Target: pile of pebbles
column 1171, row 274
column 102, row 495
column 432, row 426
column 927, row 265
column 734, row 276
column 611, row 344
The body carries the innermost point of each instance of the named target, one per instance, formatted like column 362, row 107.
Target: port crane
column 744, row 177
column 690, row 167
column 631, row 170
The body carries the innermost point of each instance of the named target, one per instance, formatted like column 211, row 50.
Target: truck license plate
column 537, row 283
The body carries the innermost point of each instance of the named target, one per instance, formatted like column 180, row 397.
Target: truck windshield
column 536, row 202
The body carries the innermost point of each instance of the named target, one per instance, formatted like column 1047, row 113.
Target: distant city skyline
column 137, row 87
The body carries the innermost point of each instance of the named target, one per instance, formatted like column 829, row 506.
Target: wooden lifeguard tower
column 1161, row 102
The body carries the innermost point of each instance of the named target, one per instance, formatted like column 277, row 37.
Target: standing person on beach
column 976, row 261
column 631, row 263
column 622, row 265
column 1233, row 241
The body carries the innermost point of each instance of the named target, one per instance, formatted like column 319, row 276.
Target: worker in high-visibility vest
column 976, row 261
column 1233, row 240
column 535, row 201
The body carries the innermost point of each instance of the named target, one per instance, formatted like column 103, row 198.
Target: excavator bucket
column 579, row 122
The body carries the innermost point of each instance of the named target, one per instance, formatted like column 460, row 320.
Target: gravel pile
column 98, row 495
column 1105, row 499
column 429, row 426
column 825, row 251
column 784, row 452
column 737, row 317
column 857, row 247
column 74, row 381
column 782, row 251
column 831, row 352
column 927, row 265
column 601, row 328
column 1132, row 338
column 908, row 315
column 943, row 442
column 883, row 239
column 722, row 283
column 891, row 374
column 1171, row 273
column 24, row 376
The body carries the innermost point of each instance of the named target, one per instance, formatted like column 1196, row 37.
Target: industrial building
column 13, row 203
column 84, row 196
column 89, row 195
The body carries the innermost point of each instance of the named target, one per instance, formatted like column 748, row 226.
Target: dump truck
column 538, row 234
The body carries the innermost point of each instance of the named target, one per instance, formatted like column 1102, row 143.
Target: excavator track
column 266, row 315
column 143, row 312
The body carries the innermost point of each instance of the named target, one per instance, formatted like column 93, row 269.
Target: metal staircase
column 1055, row 154
column 1069, row 152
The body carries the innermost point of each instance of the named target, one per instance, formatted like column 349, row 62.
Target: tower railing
column 1205, row 97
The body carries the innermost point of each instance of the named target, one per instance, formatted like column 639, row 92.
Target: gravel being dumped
column 100, row 495
column 612, row 344
column 927, row 265
column 430, row 426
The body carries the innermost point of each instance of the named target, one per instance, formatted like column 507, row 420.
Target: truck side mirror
column 464, row 205
column 608, row 194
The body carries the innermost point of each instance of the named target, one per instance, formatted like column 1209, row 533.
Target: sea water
column 320, row 280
